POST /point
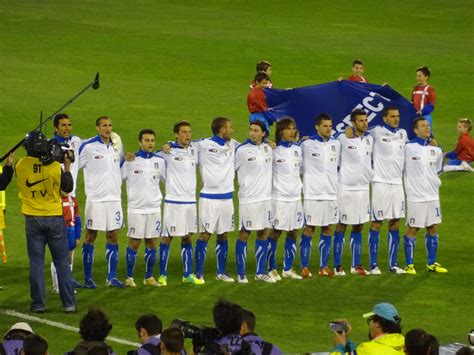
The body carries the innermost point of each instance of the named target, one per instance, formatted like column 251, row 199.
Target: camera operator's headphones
column 36, row 145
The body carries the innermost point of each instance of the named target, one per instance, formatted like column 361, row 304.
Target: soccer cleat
column 290, row 274
column 274, row 273
column 265, row 278
column 374, row 270
column 90, row 284
column 242, row 279
column 191, row 279
column 224, row 277
column 129, row 282
column 436, row 268
column 359, row 270
column 396, row 270
column 151, row 281
column 114, row 283
column 306, row 273
column 200, row 277
column 339, row 271
column 76, row 284
column 162, row 280
column 410, row 269
column 325, row 271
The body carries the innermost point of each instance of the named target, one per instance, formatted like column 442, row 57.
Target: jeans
column 52, row 231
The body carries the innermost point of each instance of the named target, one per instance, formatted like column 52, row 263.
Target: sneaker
column 359, row 270
column 191, row 279
column 200, row 277
column 436, row 268
column 242, row 279
column 114, row 283
column 90, row 284
column 224, row 277
column 151, row 281
column 70, row 310
column 396, row 270
column 274, row 273
column 76, row 284
column 37, row 310
column 265, row 278
column 410, row 269
column 129, row 282
column 55, row 290
column 290, row 274
column 374, row 270
column 162, row 280
column 306, row 273
column 339, row 271
column 325, row 271
column 465, row 165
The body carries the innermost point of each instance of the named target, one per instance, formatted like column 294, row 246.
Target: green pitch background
column 169, row 60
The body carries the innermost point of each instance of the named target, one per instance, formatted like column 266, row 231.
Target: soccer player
column 143, row 176
column 216, row 208
column 463, row 154
column 388, row 198
column 423, row 96
column 257, row 102
column 423, row 163
column 253, row 163
column 286, row 197
column 100, row 161
column 320, row 162
column 354, row 180
column 180, row 215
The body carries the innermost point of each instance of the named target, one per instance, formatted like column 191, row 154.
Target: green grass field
column 162, row 61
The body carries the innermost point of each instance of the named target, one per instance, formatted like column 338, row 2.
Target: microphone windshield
column 96, row 83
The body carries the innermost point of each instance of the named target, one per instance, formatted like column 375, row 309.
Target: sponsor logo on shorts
column 132, row 231
column 206, row 226
column 412, row 221
column 98, row 157
column 275, row 222
column 248, row 224
column 308, row 218
column 173, row 229
column 380, row 214
column 344, row 217
column 89, row 222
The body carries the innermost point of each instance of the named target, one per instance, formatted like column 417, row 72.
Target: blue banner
column 339, row 99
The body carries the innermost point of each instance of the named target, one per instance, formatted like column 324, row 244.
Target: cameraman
column 258, row 345
column 40, row 180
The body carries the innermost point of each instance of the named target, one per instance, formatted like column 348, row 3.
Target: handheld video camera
column 340, row 327
column 47, row 151
column 201, row 337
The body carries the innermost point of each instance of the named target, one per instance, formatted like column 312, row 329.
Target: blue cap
column 384, row 310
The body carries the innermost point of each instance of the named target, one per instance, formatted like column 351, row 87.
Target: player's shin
column 88, row 260
column 324, row 250
column 290, row 253
column 240, row 256
column 111, row 255
column 409, row 244
column 356, row 248
column 305, row 250
column 271, row 254
column 131, row 258
column 222, row 247
column 164, row 256
column 261, row 251
column 393, row 242
column 373, row 247
column 150, row 261
column 431, row 243
column 200, row 256
column 187, row 258
column 338, row 248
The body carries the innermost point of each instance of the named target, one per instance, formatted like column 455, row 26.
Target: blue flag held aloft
column 339, row 99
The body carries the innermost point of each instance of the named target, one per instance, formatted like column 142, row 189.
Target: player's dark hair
column 434, row 345
column 281, row 125
column 145, row 131
column 465, row 350
column 261, row 76
column 425, row 70
column 35, row 345
column 416, row 120
column 95, row 325
column 248, row 317
column 218, row 123
column 322, row 117
column 59, row 117
column 151, row 323
column 417, row 342
column 466, row 122
column 263, row 65
column 357, row 61
column 388, row 326
column 227, row 317
column 97, row 121
column 261, row 125
column 357, row 112
column 173, row 339
column 388, row 109
column 180, row 124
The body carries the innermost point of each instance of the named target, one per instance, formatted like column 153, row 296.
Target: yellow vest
column 39, row 187
column 2, row 204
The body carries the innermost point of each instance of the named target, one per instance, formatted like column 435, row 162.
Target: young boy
column 463, row 154
column 257, row 102
column 423, row 96
column 357, row 71
column 263, row 67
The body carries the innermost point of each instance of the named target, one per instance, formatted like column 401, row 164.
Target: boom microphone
column 96, row 83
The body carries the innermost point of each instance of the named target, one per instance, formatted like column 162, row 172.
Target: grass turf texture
column 162, row 62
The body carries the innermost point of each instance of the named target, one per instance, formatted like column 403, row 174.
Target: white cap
column 19, row 326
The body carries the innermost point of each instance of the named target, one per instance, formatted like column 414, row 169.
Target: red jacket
column 256, row 101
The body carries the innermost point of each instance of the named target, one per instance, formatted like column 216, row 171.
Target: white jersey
column 143, row 176
column 101, row 165
column 356, row 162
column 74, row 144
column 180, row 173
column 389, row 154
column 423, row 163
column 216, row 164
column 286, row 171
column 320, row 165
column 253, row 164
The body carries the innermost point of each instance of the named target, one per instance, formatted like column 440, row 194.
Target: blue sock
column 164, row 255
column 261, row 250
column 338, row 248
column 111, row 255
column 305, row 250
column 431, row 243
column 271, row 255
column 409, row 244
column 393, row 241
column 187, row 258
column 240, row 256
column 356, row 248
column 373, row 247
column 290, row 253
column 221, row 255
column 131, row 257
column 324, row 247
column 200, row 256
column 150, row 261
column 87, row 260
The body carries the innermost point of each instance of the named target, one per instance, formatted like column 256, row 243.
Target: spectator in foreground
column 172, row 341
column 14, row 338
column 93, row 328
column 419, row 342
column 35, row 345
